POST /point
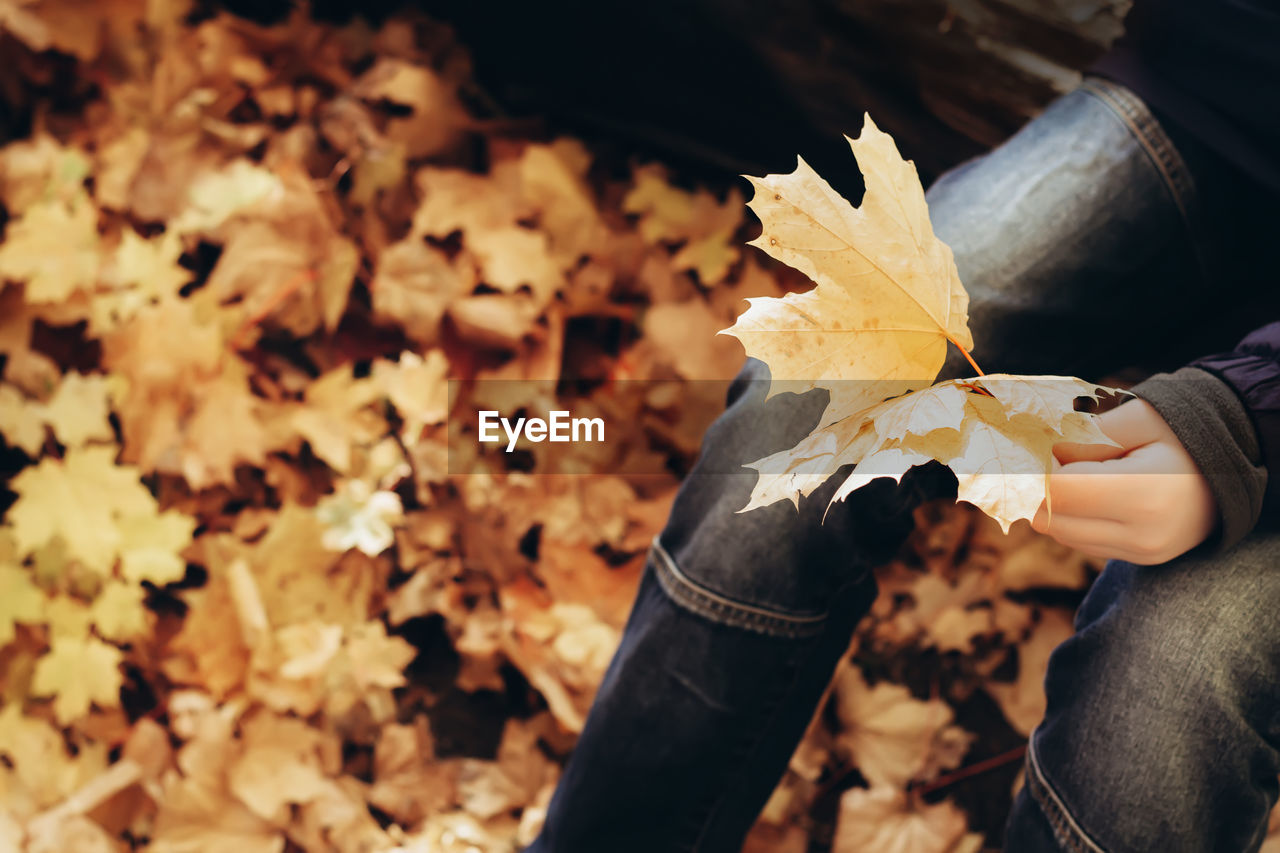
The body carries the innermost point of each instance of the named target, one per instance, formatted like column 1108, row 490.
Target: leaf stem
column 967, row 357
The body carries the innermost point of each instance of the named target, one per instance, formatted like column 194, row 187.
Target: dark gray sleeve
column 1212, row 423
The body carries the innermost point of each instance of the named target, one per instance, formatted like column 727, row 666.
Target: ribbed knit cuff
column 1213, row 425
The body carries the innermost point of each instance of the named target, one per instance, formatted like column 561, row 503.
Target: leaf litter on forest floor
column 248, row 602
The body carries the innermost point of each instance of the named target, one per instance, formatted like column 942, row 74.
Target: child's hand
column 1145, row 502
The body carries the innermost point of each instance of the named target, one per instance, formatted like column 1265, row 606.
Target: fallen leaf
column 1023, row 701
column 889, row 735
column 79, row 499
column 78, row 673
column 53, row 248
column 891, row 821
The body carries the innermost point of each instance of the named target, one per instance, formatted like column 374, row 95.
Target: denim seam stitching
column 711, row 605
column 1164, row 155
column 1065, row 828
column 1147, row 131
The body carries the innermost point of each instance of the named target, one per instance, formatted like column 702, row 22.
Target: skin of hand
column 1144, row 502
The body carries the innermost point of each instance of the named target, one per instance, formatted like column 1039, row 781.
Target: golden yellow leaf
column 418, row 388
column 408, row 783
column 792, row 474
column 20, row 601
column 511, row 257
column 1000, row 449
column 696, row 220
column 39, row 169
column 21, row 421
column 150, row 545
column 118, row 611
column 81, row 499
column 78, row 673
column 139, row 272
column 196, row 815
column 414, row 286
column 68, row 617
column 227, row 428
column 436, row 117
column 37, row 751
column 886, row 302
column 553, row 182
column 887, row 297
column 336, row 415
column 454, row 200
column 77, row 412
column 218, row 196
column 281, row 763
column 53, row 247
column 209, row 651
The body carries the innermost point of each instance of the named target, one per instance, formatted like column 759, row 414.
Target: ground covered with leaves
column 251, row 599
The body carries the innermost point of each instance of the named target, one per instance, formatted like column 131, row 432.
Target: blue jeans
column 1162, row 727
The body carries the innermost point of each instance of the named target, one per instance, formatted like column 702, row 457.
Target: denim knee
column 1163, row 724
column 777, row 566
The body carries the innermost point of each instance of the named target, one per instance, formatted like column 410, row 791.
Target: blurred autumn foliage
column 247, row 603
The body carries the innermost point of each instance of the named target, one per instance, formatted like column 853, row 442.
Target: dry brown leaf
column 889, row 735
column 1023, row 701
column 884, row 819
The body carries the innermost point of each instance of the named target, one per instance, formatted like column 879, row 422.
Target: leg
column 1163, row 725
column 1082, row 223
column 741, row 618
column 738, row 624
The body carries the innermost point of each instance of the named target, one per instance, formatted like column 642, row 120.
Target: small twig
column 975, row 769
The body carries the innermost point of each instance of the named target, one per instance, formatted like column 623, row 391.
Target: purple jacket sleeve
column 1252, row 370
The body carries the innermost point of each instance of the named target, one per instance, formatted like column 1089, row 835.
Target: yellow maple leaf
column 887, row 297
column 68, row 617
column 53, row 247
column 217, row 196
column 876, row 325
column 78, row 673
column 414, row 286
column 39, row 169
column 77, row 412
column 38, row 753
column 80, row 499
column 20, row 601
column 337, row 415
column 139, row 272
column 150, row 544
column 20, row 421
column 418, row 388
column 1001, row 450
column 118, row 611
